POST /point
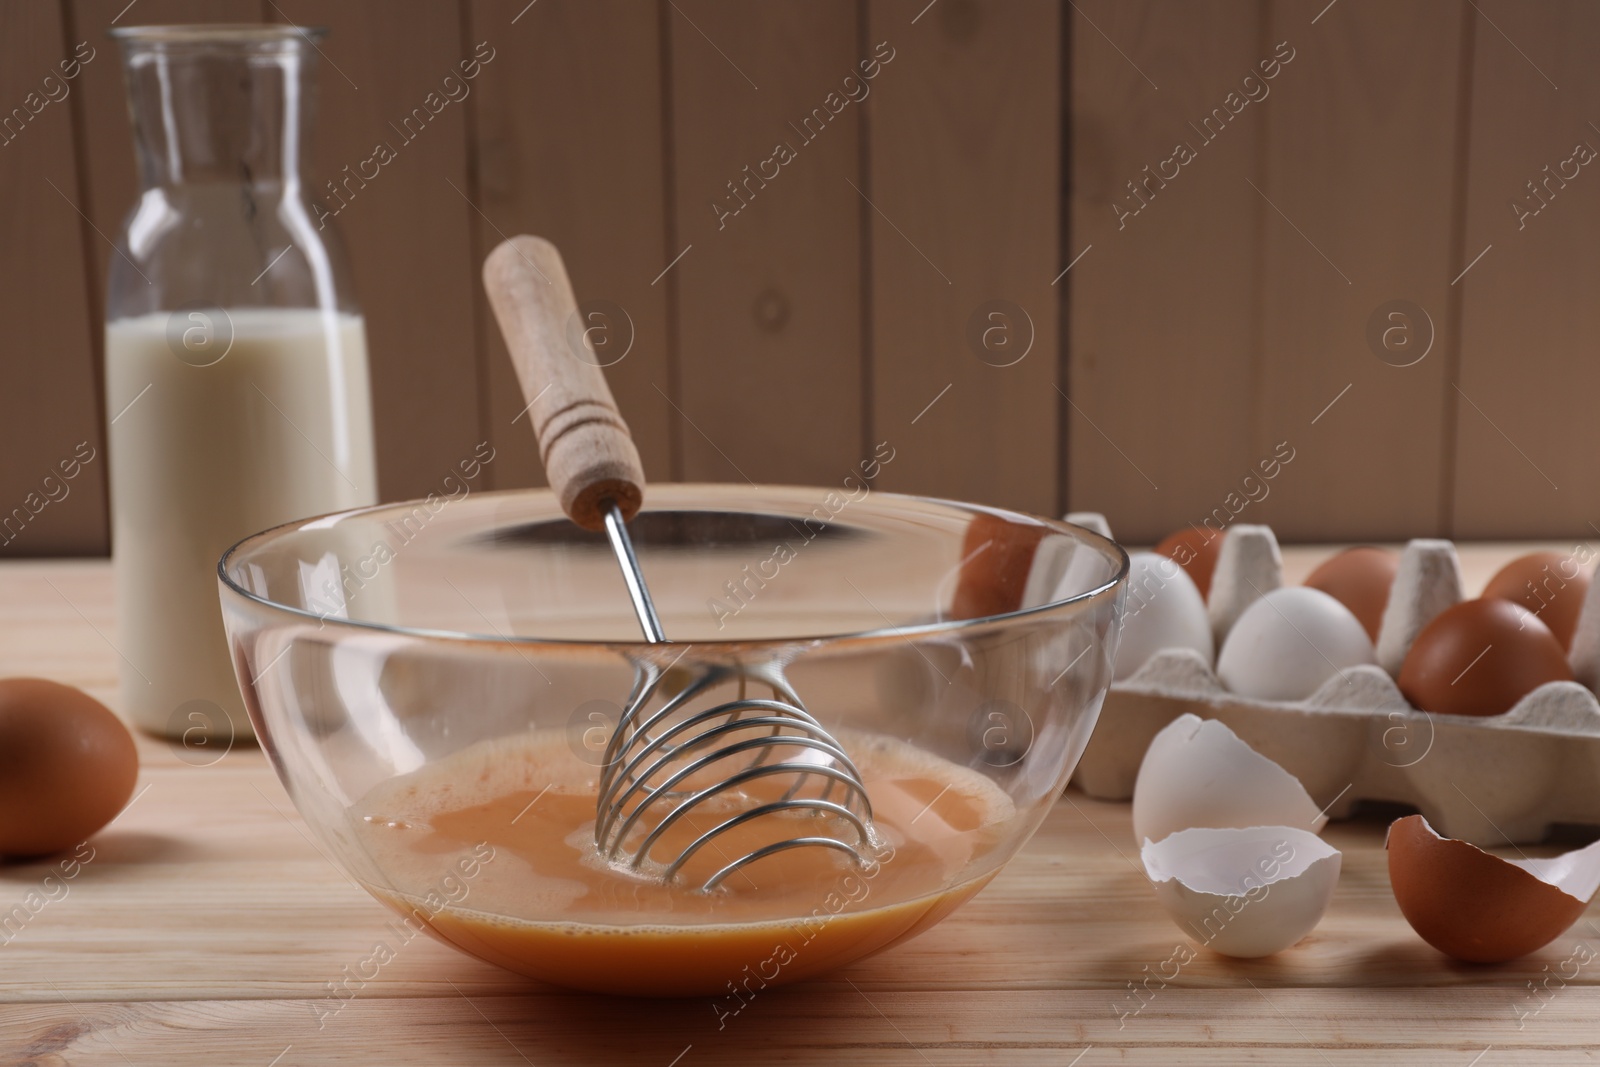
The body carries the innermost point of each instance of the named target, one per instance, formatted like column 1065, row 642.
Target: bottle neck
column 220, row 114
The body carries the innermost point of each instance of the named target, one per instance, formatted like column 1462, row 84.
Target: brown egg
column 1359, row 578
column 1479, row 658
column 1477, row 907
column 67, row 766
column 1549, row 584
column 1195, row 550
column 996, row 555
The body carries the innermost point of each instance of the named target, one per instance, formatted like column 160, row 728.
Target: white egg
column 1285, row 645
column 1243, row 891
column 1197, row 772
column 1163, row 610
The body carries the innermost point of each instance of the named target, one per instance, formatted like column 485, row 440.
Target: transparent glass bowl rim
column 199, row 36
column 1104, row 590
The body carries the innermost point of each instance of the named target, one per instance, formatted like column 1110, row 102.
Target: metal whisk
column 682, row 760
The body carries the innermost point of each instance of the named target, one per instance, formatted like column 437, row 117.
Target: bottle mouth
column 249, row 36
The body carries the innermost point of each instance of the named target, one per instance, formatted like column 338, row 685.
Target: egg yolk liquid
column 492, row 850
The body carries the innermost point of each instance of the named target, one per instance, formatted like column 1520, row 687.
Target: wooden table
column 209, row 929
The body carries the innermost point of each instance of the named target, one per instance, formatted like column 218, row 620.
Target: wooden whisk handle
column 588, row 453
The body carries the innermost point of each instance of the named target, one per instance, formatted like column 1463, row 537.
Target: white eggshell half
column 1244, row 892
column 1197, row 772
column 1289, row 642
column 1164, row 609
column 1575, row 873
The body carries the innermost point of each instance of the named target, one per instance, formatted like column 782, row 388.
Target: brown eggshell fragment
column 1360, row 579
column 996, row 555
column 1195, row 550
column 1550, row 584
column 1480, row 657
column 67, row 766
column 1469, row 904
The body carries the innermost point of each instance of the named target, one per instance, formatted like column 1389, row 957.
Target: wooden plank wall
column 801, row 261
column 1164, row 353
column 49, row 400
column 965, row 177
column 768, row 290
column 1233, row 309
column 1530, row 313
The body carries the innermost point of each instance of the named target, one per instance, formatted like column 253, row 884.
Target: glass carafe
column 236, row 364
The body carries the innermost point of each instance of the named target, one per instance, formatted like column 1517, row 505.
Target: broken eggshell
column 1243, row 891
column 1480, row 908
column 1197, row 772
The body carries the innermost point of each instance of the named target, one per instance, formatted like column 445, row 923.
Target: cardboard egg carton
column 1488, row 780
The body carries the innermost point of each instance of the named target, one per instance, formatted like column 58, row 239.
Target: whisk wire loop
column 625, row 784
column 783, row 846
column 826, row 806
column 762, row 745
column 775, row 808
column 656, row 750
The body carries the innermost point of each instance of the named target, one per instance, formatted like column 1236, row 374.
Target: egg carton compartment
column 1489, row 780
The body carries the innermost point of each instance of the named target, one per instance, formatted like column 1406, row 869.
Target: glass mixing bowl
column 435, row 683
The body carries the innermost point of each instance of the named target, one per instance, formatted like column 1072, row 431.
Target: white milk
column 279, row 428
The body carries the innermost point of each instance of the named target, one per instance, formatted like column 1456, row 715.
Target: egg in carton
column 1490, row 780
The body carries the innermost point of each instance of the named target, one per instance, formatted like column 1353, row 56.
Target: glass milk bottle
column 236, row 363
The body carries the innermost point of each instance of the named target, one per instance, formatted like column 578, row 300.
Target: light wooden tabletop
column 209, row 929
